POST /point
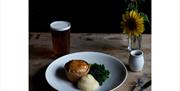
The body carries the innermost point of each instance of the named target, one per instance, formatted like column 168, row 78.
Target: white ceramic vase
column 136, row 60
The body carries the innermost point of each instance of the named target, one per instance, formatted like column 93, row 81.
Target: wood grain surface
column 40, row 55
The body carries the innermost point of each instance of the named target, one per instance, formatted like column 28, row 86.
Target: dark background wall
column 97, row 16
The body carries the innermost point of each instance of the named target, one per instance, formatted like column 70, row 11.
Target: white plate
column 118, row 71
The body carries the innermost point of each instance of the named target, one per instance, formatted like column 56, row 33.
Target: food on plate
column 99, row 72
column 88, row 76
column 75, row 69
column 88, row 83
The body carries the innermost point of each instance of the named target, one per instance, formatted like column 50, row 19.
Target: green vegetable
column 99, row 72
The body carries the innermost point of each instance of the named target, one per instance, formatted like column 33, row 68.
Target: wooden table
column 40, row 51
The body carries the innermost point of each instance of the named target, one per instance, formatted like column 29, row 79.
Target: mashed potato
column 88, row 83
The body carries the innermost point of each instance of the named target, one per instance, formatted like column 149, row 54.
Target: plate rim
column 101, row 53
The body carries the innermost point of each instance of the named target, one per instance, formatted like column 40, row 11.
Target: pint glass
column 60, row 31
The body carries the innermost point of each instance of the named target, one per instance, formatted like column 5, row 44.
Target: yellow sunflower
column 132, row 23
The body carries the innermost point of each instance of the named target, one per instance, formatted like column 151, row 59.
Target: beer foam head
column 60, row 25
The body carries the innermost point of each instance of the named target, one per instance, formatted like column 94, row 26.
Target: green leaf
column 132, row 6
column 145, row 16
column 99, row 72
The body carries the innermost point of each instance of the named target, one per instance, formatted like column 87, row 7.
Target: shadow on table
column 127, row 66
column 40, row 52
column 38, row 81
